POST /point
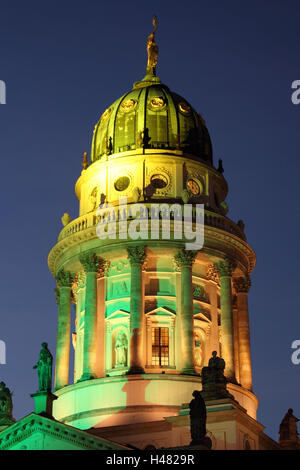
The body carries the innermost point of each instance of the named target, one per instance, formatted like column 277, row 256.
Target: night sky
column 64, row 63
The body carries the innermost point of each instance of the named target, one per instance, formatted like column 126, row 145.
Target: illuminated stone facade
column 148, row 312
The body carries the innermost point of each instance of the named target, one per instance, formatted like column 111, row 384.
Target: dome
column 153, row 117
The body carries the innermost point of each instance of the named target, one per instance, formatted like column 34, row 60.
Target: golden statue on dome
column 152, row 50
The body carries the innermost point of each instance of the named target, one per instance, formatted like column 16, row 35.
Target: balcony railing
column 90, row 220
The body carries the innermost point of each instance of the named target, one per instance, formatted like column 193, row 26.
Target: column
column 100, row 339
column 185, row 260
column 64, row 281
column 236, row 341
column 136, row 256
column 212, row 289
column 242, row 286
column 225, row 269
column 91, row 264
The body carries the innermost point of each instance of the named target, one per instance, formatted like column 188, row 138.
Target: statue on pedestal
column 288, row 433
column 6, row 404
column 197, row 418
column 213, row 379
column 152, row 50
column 44, row 368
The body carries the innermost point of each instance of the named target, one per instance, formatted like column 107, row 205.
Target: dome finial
column 152, row 50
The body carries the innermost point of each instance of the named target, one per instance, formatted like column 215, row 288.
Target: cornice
column 215, row 239
column 36, row 423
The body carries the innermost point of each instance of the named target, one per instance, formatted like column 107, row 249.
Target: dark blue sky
column 64, row 63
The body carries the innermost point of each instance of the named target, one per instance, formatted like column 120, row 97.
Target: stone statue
column 66, row 219
column 288, row 428
column 213, row 379
column 44, row 367
column 152, row 50
column 197, row 418
column 198, row 352
column 217, row 363
column 121, row 350
column 6, row 404
column 220, row 166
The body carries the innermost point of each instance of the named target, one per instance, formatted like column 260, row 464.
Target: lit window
column 160, row 346
column 193, row 186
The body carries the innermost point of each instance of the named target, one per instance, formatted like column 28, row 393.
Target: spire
column 152, row 50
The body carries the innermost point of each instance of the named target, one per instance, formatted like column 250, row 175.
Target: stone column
column 100, row 337
column 64, row 281
column 212, row 288
column 136, row 256
column 91, row 264
column 225, row 269
column 242, row 286
column 185, row 260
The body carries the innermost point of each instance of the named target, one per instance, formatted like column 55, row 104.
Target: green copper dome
column 151, row 116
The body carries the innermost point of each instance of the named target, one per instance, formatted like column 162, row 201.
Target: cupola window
column 193, row 186
column 159, row 181
column 122, row 183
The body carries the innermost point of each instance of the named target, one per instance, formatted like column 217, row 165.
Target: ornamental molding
column 214, row 238
column 151, row 171
column 212, row 274
column 24, row 428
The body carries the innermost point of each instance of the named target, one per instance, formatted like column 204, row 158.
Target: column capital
column 79, row 283
column 136, row 254
column 103, row 268
column 185, row 257
column 91, row 262
column 224, row 268
column 242, row 284
column 64, row 278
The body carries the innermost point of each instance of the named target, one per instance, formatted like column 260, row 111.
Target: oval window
column 159, row 181
column 184, row 108
column 122, row 183
column 193, row 186
column 157, row 102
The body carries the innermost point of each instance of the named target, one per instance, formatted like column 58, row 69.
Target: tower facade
column 149, row 311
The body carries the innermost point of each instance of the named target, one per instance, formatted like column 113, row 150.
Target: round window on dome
column 122, row 183
column 157, row 102
column 193, row 186
column 128, row 105
column 184, row 108
column 159, row 181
